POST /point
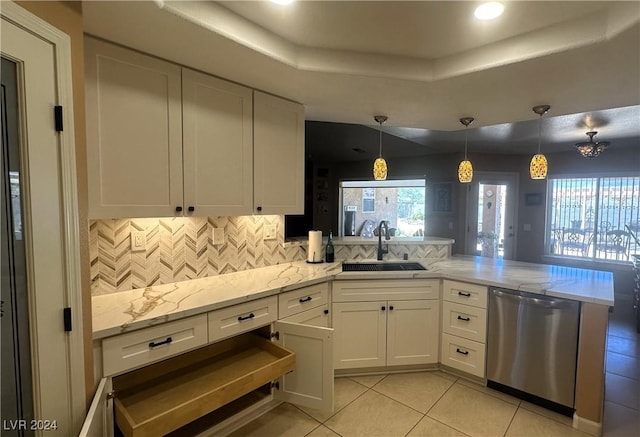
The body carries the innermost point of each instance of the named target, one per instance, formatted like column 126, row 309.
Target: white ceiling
column 424, row 64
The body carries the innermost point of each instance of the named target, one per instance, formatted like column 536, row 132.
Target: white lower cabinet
column 412, row 328
column 165, row 396
column 361, row 334
column 462, row 354
column 386, row 333
column 464, row 327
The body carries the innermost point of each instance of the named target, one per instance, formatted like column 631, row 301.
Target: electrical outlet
column 269, row 232
column 138, row 241
column 217, row 236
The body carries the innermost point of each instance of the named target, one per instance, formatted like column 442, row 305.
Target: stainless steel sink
column 381, row 267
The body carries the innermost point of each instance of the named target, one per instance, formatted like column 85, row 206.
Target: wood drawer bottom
column 160, row 398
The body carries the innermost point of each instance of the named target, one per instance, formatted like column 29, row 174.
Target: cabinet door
column 134, row 133
column 278, row 148
column 311, row 383
column 218, row 146
column 413, row 332
column 99, row 420
column 361, row 334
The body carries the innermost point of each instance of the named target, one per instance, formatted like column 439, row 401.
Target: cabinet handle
column 382, row 308
column 462, row 352
column 464, row 293
column 306, row 299
column 191, row 208
column 391, row 308
column 259, row 209
column 464, row 319
column 250, row 316
column 160, row 343
column 178, row 209
column 326, row 311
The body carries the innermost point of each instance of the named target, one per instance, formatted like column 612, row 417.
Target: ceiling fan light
column 465, row 171
column 591, row 149
column 380, row 169
column 538, row 166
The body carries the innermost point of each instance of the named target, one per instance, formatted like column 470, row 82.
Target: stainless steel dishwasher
column 532, row 347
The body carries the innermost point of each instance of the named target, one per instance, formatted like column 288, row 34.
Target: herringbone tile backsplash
column 178, row 249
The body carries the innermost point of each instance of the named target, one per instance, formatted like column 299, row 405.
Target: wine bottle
column 329, row 250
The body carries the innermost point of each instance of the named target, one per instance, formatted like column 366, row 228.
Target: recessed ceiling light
column 489, row 11
column 282, row 2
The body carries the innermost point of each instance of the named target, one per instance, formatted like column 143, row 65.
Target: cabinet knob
column 178, row 209
column 390, row 307
column 192, row 208
column 259, row 208
column 382, row 308
column 326, row 311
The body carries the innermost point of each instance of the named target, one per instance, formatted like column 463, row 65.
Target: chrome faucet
column 382, row 251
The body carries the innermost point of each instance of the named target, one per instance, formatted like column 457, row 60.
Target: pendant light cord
column 466, row 135
column 539, row 132
column 380, row 130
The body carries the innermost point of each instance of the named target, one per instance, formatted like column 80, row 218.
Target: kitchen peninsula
column 136, row 310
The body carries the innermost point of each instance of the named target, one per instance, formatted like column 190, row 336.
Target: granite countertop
column 129, row 310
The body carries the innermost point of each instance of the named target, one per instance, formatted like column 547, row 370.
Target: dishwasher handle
column 534, row 299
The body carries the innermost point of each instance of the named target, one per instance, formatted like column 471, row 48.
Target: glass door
column 491, row 215
column 17, row 398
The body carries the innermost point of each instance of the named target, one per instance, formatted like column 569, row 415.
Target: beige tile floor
column 437, row 404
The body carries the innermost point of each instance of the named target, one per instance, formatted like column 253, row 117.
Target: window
column 363, row 204
column 593, row 218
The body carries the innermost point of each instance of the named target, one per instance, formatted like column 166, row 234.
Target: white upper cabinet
column 134, row 133
column 278, row 152
column 163, row 140
column 218, row 146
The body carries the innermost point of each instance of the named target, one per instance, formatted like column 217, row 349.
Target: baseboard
column 586, row 425
column 368, row 371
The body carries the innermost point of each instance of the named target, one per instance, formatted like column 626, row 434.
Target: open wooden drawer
column 162, row 397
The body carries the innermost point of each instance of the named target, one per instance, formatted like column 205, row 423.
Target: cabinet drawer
column 386, row 289
column 318, row 316
column 302, row 299
column 127, row 351
column 165, row 396
column 462, row 354
column 464, row 321
column 462, row 292
column 242, row 318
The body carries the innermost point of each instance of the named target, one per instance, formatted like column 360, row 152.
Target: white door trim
column 66, row 140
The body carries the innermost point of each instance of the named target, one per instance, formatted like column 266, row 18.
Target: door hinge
column 276, row 335
column 57, row 116
column 66, row 316
column 275, row 385
column 111, row 395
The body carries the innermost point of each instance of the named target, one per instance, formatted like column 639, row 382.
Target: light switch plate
column 269, row 232
column 138, row 241
column 217, row 236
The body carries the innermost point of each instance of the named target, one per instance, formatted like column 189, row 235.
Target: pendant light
column 538, row 166
column 465, row 169
column 380, row 165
